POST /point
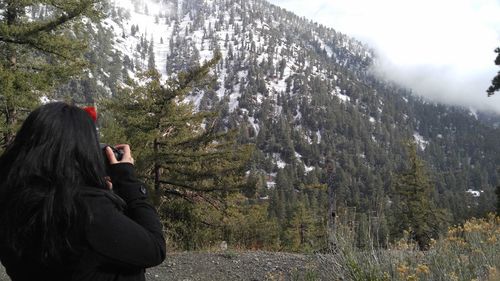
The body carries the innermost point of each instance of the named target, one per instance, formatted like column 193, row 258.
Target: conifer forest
column 252, row 125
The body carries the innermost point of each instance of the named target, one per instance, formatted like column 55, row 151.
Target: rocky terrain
column 230, row 265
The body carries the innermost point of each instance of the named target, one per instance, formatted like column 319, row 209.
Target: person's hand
column 127, row 154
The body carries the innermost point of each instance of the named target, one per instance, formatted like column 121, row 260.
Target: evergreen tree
column 417, row 210
column 253, row 230
column 299, row 233
column 495, row 83
column 36, row 54
column 151, row 55
column 178, row 150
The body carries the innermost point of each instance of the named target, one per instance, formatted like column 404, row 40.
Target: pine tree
column 495, row 83
column 253, row 230
column 177, row 150
column 332, row 185
column 37, row 54
column 417, row 210
column 300, row 230
column 151, row 55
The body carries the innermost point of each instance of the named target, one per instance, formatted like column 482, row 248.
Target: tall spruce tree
column 39, row 48
column 177, row 150
column 417, row 210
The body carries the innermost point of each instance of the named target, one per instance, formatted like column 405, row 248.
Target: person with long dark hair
column 59, row 217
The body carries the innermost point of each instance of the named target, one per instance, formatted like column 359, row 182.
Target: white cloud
column 443, row 49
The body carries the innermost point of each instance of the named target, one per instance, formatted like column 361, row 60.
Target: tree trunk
column 331, row 216
column 157, row 174
column 9, row 109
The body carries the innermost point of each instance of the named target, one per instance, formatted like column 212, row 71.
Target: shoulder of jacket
column 96, row 197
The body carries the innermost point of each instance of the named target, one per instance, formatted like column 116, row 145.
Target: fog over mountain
column 442, row 50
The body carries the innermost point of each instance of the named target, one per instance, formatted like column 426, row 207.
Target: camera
column 117, row 152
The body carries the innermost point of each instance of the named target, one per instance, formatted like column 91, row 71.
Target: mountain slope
column 304, row 94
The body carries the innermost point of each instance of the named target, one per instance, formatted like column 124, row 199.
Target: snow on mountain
column 267, row 54
column 422, row 143
column 166, row 22
column 146, row 16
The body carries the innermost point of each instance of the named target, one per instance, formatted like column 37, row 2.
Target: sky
column 441, row 49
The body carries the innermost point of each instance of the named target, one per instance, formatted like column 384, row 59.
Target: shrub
column 467, row 252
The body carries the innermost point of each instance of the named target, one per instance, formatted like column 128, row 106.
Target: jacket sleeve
column 133, row 238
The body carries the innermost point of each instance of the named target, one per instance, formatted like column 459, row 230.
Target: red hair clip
column 91, row 111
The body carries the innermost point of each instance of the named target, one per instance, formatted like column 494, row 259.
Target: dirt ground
column 233, row 266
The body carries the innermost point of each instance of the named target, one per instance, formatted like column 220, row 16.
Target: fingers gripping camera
column 117, row 152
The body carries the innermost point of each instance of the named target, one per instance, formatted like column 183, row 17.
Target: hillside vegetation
column 468, row 252
column 251, row 125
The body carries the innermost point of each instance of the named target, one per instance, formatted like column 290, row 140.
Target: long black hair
column 55, row 152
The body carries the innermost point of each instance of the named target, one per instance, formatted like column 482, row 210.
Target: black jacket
column 124, row 237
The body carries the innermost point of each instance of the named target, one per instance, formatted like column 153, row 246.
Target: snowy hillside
column 301, row 92
column 130, row 13
column 165, row 26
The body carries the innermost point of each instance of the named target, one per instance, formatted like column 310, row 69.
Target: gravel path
column 232, row 266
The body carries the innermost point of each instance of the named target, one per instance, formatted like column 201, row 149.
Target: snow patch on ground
column 308, row 168
column 318, row 137
column 270, row 184
column 341, row 95
column 143, row 16
column 280, row 163
column 474, row 193
column 254, row 124
column 421, row 142
column 327, row 48
column 195, row 100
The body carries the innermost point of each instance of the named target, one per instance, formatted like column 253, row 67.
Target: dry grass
column 467, row 252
